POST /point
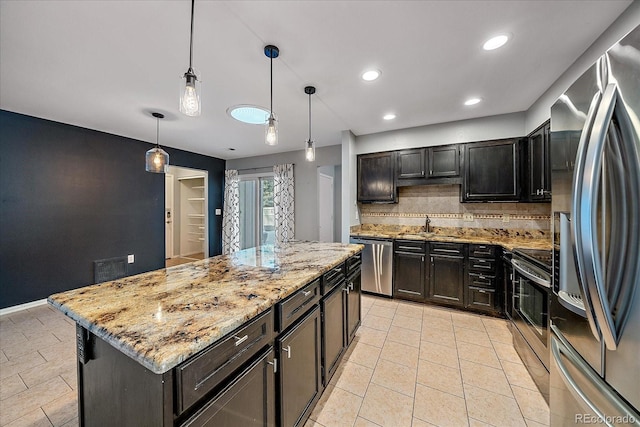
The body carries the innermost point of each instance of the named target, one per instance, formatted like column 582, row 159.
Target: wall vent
column 108, row 269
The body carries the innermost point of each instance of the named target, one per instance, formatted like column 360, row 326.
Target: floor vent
column 108, row 269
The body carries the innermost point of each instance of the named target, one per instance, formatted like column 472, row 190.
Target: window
column 257, row 221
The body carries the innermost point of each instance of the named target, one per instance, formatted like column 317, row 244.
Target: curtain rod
column 262, row 169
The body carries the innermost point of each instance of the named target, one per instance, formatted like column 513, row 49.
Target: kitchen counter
column 162, row 317
column 507, row 238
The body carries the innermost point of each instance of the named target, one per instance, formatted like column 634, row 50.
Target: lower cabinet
column 333, row 330
column 481, row 298
column 248, row 401
column 446, row 281
column 300, row 383
column 409, row 276
column 354, row 283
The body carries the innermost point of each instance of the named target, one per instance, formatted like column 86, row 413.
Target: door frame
column 169, row 204
column 331, row 201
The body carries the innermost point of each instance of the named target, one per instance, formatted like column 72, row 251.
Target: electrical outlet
column 506, row 217
column 467, row 217
column 131, row 259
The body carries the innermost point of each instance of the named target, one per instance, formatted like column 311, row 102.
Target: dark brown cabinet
column 491, row 171
column 411, row 163
column 482, row 290
column 248, row 401
column 333, row 330
column 538, row 169
column 409, row 276
column 376, row 178
column 300, row 383
column 447, row 271
column 444, row 161
column 430, row 165
column 354, row 284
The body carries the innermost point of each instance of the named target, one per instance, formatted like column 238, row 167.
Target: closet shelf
column 196, row 199
column 198, row 187
column 195, row 215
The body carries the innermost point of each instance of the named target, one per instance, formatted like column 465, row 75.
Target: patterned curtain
column 283, row 188
column 231, row 215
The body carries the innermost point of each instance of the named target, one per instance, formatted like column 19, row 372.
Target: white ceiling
column 106, row 64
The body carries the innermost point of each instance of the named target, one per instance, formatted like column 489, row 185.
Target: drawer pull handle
column 351, row 285
column 346, row 289
column 275, row 365
column 288, row 350
column 410, row 248
column 306, row 293
column 240, row 340
column 452, row 251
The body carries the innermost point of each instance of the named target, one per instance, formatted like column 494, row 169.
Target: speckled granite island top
column 162, row 317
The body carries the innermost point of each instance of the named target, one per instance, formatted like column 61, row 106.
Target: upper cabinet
column 423, row 166
column 491, row 171
column 538, row 168
column 377, row 178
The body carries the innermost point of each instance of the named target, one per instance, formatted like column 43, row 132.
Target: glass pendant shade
column 190, row 94
column 271, row 131
column 310, row 152
column 157, row 160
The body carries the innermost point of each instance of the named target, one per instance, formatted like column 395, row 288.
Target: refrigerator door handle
column 624, row 233
column 576, row 239
column 606, row 404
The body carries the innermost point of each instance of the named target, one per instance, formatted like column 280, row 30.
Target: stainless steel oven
column 531, row 298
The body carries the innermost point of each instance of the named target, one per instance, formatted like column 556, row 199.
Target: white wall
column 493, row 127
column 540, row 111
column 306, row 182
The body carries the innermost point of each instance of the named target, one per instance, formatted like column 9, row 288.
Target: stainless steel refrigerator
column 595, row 307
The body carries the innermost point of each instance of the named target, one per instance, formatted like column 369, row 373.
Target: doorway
column 257, row 218
column 325, row 207
column 187, row 237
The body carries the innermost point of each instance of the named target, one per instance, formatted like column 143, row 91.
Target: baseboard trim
column 21, row 307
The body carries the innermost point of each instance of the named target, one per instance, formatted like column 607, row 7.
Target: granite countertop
column 508, row 239
column 162, row 317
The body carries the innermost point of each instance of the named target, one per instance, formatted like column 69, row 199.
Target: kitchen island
column 176, row 345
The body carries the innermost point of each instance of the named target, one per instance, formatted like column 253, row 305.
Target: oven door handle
column 517, row 265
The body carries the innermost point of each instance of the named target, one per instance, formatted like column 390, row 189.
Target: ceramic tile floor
column 411, row 365
column 417, row 365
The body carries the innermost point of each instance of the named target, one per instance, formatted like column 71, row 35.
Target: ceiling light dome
column 370, row 75
column 472, row 101
column 389, row 116
column 495, row 42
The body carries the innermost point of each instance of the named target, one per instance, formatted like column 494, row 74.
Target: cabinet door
column 482, row 299
column 353, row 305
column 376, row 177
column 491, row 171
column 333, row 330
column 538, row 165
column 408, row 276
column 411, row 163
column 447, row 279
column 444, row 161
column 300, row 382
column 248, row 401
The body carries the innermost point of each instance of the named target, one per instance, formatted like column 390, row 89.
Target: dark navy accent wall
column 70, row 195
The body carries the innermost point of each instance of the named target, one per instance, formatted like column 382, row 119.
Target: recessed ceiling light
column 472, row 101
column 370, row 75
column 495, row 42
column 251, row 114
column 389, row 116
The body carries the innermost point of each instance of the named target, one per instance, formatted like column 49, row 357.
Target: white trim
column 24, row 306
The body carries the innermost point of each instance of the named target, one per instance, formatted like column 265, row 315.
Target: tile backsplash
column 442, row 204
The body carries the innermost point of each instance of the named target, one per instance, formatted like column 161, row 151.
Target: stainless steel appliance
column 595, row 306
column 530, row 312
column 377, row 265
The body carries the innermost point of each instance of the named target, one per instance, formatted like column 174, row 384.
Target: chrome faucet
column 426, row 223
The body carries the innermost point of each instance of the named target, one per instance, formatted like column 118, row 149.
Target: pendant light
column 271, row 131
column 310, row 150
column 157, row 158
column 190, row 87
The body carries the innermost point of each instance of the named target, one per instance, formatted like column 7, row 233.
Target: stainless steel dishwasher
column 377, row 265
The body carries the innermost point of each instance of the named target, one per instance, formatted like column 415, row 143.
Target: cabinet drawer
column 446, row 248
column 482, row 251
column 481, row 265
column 482, row 281
column 413, row 246
column 481, row 298
column 354, row 263
column 198, row 376
column 332, row 278
column 289, row 310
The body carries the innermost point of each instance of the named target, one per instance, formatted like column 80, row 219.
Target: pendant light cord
column 191, row 37
column 271, row 108
column 157, row 132
column 309, row 117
